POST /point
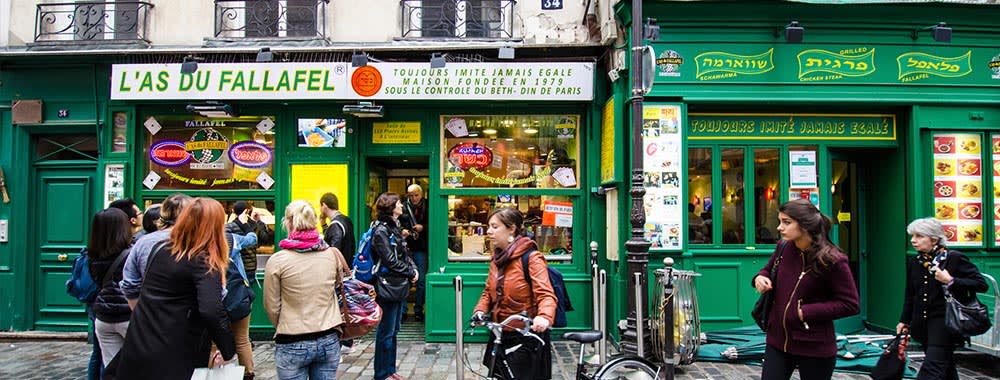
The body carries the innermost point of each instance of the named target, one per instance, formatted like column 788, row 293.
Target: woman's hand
column 762, row 283
column 218, row 361
column 902, row 327
column 243, row 217
column 415, row 277
column 539, row 324
column 943, row 276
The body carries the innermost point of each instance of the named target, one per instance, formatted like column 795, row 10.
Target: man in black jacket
column 338, row 229
column 414, row 223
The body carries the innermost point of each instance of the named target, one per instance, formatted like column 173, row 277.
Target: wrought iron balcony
column 467, row 19
column 270, row 18
column 92, row 21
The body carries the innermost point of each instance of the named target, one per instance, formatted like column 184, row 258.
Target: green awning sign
column 816, row 64
column 913, row 66
column 761, row 126
column 729, row 65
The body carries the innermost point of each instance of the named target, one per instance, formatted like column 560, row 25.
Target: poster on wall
column 996, row 188
column 114, row 183
column 662, row 155
column 958, row 184
column 311, row 181
column 186, row 152
column 322, row 133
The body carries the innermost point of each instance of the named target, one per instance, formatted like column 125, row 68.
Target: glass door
column 847, row 215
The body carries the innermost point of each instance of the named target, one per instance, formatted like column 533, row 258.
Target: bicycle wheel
column 628, row 368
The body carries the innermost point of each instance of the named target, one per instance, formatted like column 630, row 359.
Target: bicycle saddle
column 589, row 336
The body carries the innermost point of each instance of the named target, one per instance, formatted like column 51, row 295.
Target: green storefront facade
column 476, row 136
column 867, row 115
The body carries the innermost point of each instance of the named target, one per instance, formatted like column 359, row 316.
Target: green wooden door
column 63, row 195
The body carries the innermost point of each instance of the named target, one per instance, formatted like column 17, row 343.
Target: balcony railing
column 93, row 21
column 468, row 19
column 270, row 18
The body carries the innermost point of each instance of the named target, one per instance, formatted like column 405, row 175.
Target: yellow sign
column 843, row 217
column 396, row 132
column 608, row 142
column 311, row 181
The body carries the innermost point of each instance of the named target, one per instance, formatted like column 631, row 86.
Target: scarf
column 501, row 257
column 304, row 241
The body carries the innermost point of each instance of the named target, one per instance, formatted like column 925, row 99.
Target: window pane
column 733, row 229
column 700, row 185
column 767, row 165
column 119, row 137
column 539, row 151
column 547, row 220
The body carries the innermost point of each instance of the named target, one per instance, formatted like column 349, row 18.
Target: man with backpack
column 338, row 232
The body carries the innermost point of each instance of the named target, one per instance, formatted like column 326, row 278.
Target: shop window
column 995, row 150
column 767, row 166
column 700, row 187
column 189, row 153
column 959, row 198
column 733, row 210
column 533, row 151
column 548, row 220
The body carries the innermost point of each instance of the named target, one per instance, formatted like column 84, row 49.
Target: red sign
column 250, row 154
column 169, row 153
column 470, row 155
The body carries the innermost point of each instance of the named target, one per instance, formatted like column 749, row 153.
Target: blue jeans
column 385, row 338
column 316, row 359
column 420, row 258
column 96, row 365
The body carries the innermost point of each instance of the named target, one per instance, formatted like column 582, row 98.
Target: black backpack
column 558, row 286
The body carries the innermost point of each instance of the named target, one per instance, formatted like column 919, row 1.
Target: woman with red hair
column 180, row 311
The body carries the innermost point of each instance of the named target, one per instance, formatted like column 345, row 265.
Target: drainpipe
column 637, row 247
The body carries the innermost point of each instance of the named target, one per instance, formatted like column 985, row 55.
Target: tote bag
column 226, row 372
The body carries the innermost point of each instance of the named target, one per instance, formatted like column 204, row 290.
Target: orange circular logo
column 366, row 81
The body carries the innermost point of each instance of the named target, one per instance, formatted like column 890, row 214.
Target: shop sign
column 558, row 214
column 828, row 63
column 709, row 126
column 549, row 81
column 470, row 155
column 608, row 139
column 169, row 153
column 802, row 167
column 250, row 154
column 396, row 132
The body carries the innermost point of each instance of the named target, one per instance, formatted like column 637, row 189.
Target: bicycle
column 621, row 367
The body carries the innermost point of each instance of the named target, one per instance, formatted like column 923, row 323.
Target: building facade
column 483, row 103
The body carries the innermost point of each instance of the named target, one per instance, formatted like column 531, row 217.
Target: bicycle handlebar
column 497, row 328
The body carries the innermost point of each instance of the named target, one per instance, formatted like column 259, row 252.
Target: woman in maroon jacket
column 814, row 287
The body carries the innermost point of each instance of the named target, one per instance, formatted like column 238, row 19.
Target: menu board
column 996, row 188
column 958, row 187
column 664, row 204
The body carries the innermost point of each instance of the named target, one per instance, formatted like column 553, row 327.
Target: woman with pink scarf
column 300, row 300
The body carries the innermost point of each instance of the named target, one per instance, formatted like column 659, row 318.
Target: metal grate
column 92, row 21
column 469, row 19
column 270, row 18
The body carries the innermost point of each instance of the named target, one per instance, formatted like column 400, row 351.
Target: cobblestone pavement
column 37, row 360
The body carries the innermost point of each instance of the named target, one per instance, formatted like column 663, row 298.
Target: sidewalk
column 37, row 360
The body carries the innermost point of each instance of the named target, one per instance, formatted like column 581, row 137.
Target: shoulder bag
column 965, row 319
column 892, row 362
column 762, row 308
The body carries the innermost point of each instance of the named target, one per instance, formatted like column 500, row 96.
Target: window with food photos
column 995, row 150
column 958, row 187
column 533, row 151
column 196, row 153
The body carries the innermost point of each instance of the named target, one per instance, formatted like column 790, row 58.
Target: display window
column 194, row 153
column 525, row 151
column 548, row 220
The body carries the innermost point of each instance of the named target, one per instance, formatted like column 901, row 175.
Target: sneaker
column 346, row 350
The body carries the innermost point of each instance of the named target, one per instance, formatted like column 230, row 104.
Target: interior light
column 490, row 131
column 530, row 131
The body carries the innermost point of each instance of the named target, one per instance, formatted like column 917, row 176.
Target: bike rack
column 459, row 341
column 640, row 329
column 603, row 322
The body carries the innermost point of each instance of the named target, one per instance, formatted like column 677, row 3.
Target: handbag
column 357, row 304
column 392, row 288
column 965, row 319
column 762, row 308
column 226, row 372
column 892, row 363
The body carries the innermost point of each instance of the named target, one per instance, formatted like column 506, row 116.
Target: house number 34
column 548, row 5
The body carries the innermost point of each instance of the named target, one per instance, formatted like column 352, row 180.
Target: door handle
column 62, row 257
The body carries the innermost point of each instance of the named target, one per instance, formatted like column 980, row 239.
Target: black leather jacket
column 392, row 253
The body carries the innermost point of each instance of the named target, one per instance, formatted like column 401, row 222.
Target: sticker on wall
column 457, row 127
column 265, row 180
column 151, row 180
column 265, row 125
column 152, row 125
column 994, row 67
column 668, row 64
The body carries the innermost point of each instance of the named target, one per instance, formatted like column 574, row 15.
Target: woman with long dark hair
column 814, row 287
column 933, row 269
column 180, row 311
column 398, row 271
column 110, row 238
column 508, row 293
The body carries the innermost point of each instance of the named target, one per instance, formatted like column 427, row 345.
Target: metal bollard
column 594, row 280
column 668, row 320
column 602, row 317
column 640, row 328
column 459, row 341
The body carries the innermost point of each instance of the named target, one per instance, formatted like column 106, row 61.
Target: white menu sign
column 662, row 175
column 802, row 167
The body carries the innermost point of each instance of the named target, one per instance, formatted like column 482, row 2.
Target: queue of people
column 173, row 290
